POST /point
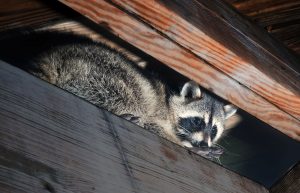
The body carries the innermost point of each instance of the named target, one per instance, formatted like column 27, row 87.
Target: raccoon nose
column 203, row 144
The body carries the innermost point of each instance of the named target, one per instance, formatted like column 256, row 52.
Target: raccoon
column 107, row 78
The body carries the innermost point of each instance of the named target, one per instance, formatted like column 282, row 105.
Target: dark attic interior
column 244, row 52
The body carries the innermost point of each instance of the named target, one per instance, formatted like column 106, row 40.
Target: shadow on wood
column 54, row 141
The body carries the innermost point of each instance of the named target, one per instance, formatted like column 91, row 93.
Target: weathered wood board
column 14, row 14
column 30, row 13
column 155, row 43
column 53, row 141
column 280, row 18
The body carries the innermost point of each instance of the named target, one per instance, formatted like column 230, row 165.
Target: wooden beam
column 230, row 43
column 29, row 13
column 157, row 44
column 290, row 183
column 53, row 141
column 280, row 18
column 51, row 15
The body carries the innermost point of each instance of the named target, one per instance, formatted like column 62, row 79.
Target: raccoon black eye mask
column 108, row 79
column 196, row 124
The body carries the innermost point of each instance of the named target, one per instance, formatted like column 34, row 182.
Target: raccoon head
column 199, row 118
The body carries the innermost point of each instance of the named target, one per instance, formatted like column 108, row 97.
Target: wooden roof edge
column 268, row 100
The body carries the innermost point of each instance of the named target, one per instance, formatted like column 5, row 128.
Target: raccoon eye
column 198, row 122
column 213, row 132
column 192, row 124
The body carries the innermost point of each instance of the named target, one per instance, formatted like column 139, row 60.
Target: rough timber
column 53, row 141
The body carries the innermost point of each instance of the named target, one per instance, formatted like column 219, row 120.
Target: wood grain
column 52, row 15
column 80, row 27
column 53, row 141
column 280, row 18
column 28, row 13
column 155, row 44
column 195, row 33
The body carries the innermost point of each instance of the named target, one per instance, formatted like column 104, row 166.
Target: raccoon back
column 88, row 69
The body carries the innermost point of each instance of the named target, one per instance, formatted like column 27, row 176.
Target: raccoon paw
column 209, row 152
column 153, row 127
column 216, row 152
column 131, row 118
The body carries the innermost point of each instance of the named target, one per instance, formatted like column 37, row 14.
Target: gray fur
column 108, row 79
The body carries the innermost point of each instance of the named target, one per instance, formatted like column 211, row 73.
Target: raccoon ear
column 191, row 90
column 229, row 110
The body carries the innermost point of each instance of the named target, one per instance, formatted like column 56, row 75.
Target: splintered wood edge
column 187, row 63
column 54, row 141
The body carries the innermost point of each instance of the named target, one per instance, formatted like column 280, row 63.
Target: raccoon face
column 199, row 117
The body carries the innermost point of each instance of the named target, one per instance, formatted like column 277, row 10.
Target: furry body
column 108, row 79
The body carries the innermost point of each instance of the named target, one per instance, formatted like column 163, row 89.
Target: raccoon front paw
column 153, row 127
column 131, row 118
column 209, row 152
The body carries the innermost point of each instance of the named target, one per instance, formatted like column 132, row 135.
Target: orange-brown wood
column 182, row 60
column 26, row 13
column 279, row 17
column 51, row 15
column 201, row 38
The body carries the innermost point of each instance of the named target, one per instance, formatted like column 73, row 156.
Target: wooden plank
column 277, row 17
column 80, row 27
column 150, row 41
column 290, row 183
column 28, row 13
column 42, row 15
column 53, row 141
column 196, row 34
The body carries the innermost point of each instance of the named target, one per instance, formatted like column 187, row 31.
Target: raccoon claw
column 209, row 153
column 131, row 118
column 203, row 152
column 217, row 150
column 150, row 126
column 153, row 128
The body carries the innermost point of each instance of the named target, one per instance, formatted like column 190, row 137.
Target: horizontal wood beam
column 30, row 13
column 158, row 44
column 280, row 18
column 53, row 141
column 216, row 34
